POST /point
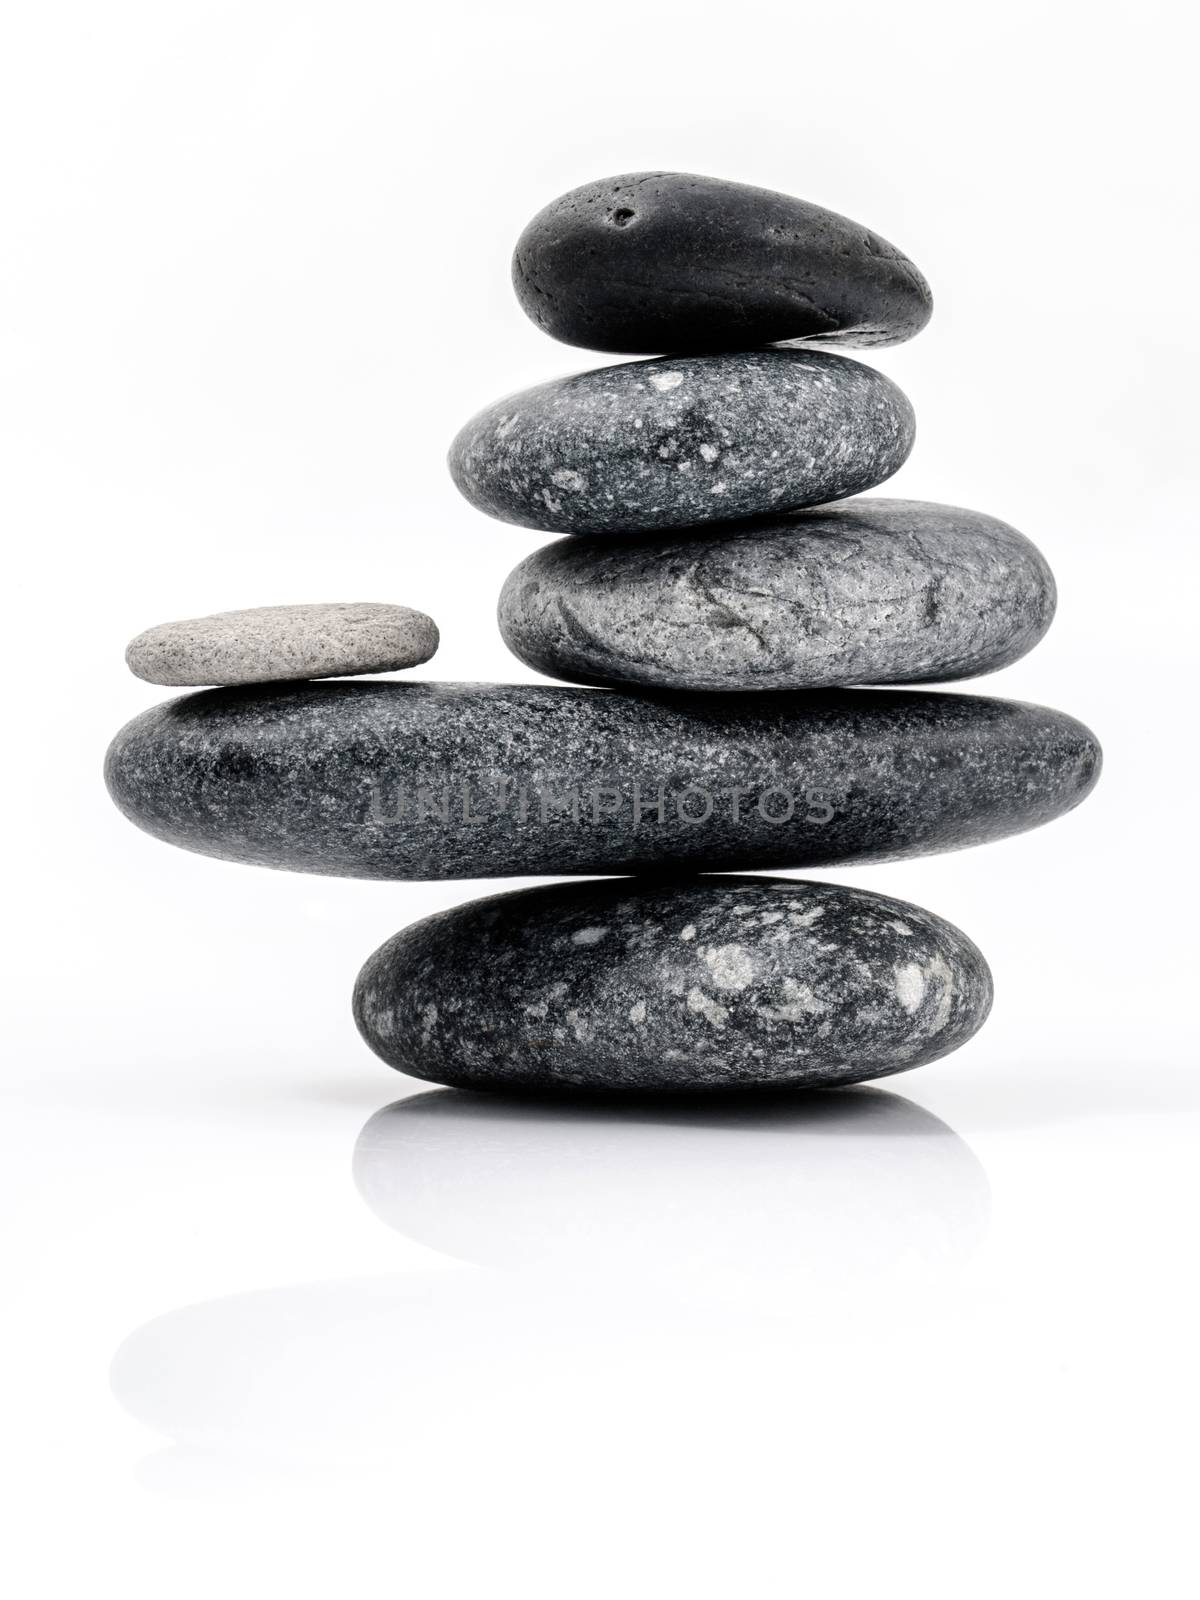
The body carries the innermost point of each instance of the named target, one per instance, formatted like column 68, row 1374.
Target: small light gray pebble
column 459, row 780
column 274, row 643
column 684, row 440
column 716, row 983
column 872, row 591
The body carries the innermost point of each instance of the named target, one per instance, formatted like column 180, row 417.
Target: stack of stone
column 737, row 628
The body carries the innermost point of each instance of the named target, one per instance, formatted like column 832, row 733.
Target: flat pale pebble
column 456, row 780
column 871, row 591
column 684, row 441
column 268, row 644
column 712, row 983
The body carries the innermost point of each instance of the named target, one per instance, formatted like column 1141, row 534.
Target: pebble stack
column 725, row 607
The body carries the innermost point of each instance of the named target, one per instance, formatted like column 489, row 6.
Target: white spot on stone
column 538, row 1009
column 637, row 1013
column 798, row 1003
column 910, row 986
column 938, row 973
column 567, row 478
column 729, row 966
column 717, row 488
column 589, row 935
column 689, row 932
column 708, row 1008
column 551, row 503
column 664, row 382
column 709, row 452
column 580, row 1026
column 382, row 1019
column 902, row 928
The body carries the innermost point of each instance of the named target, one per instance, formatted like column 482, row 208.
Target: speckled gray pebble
column 444, row 780
column 682, row 441
column 872, row 591
column 717, row 983
column 654, row 261
column 274, row 643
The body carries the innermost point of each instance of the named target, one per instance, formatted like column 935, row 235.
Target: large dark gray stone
column 693, row 439
column 711, row 983
column 671, row 261
column 871, row 591
column 399, row 780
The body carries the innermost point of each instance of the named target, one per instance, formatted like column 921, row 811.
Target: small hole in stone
column 623, row 217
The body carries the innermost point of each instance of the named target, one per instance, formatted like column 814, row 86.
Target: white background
column 937, row 1341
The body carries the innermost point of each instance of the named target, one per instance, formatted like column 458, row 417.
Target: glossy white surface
column 280, row 1322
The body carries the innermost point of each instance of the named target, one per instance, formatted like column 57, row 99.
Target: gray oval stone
column 426, row 781
column 685, row 440
column 266, row 644
column 672, row 261
column 714, row 983
column 872, row 591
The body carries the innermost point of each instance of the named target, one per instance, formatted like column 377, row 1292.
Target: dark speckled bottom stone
column 397, row 780
column 711, row 983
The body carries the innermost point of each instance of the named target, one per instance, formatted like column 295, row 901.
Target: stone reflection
column 840, row 1185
